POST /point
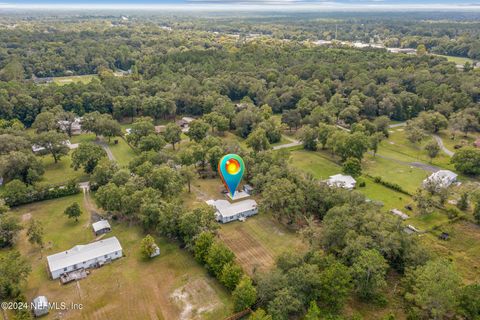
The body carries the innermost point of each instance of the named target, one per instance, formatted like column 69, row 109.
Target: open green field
column 457, row 60
column 122, row 151
column 74, row 79
column 321, row 167
column 171, row 286
column 458, row 139
column 398, row 147
column 462, row 248
column 60, row 172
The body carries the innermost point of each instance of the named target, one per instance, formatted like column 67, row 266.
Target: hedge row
column 390, row 185
column 15, row 194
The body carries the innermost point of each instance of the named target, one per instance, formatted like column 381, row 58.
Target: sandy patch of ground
column 194, row 299
column 26, row 217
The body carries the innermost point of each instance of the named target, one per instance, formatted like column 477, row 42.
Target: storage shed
column 101, row 227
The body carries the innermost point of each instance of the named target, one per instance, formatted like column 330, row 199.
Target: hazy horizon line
column 247, row 5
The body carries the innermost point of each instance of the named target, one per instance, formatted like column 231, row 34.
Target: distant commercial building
column 441, row 178
column 87, row 256
column 101, row 227
column 227, row 212
column 342, row 181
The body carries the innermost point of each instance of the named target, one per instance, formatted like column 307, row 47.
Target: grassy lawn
column 315, row 163
column 457, row 60
column 321, row 167
column 462, row 248
column 61, row 171
column 458, row 139
column 398, row 147
column 129, row 288
column 84, row 137
column 410, row 178
column 74, row 79
column 258, row 241
column 122, row 152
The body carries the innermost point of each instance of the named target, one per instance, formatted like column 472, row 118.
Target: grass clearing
column 462, row 248
column 457, row 60
column 74, row 79
column 398, row 147
column 321, row 167
column 258, row 241
column 409, row 177
column 122, row 151
column 129, row 288
column 60, row 172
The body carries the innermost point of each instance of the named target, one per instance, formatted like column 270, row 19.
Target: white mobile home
column 227, row 211
column 342, row 181
column 91, row 255
column 441, row 178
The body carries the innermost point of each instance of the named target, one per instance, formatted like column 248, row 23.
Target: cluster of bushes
column 219, row 261
column 16, row 192
column 390, row 185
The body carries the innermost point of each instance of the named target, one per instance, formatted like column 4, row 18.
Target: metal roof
column 227, row 209
column 99, row 225
column 82, row 253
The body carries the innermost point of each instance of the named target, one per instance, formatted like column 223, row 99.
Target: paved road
column 105, row 147
column 442, row 146
column 293, row 143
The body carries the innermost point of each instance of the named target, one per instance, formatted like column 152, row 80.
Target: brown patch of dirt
column 250, row 254
column 195, row 298
column 26, row 217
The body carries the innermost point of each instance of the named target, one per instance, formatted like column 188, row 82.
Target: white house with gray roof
column 227, row 211
column 86, row 256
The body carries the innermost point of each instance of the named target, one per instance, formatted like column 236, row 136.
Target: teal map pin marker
column 231, row 168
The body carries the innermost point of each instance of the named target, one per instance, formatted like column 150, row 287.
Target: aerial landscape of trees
column 247, row 96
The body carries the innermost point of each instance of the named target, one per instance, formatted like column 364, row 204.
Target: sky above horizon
column 333, row 5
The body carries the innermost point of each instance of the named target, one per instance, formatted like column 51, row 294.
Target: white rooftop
column 343, row 181
column 238, row 195
column 81, row 253
column 444, row 178
column 227, row 209
column 99, row 225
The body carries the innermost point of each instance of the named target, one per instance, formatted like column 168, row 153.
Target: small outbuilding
column 156, row 252
column 101, row 227
column 40, row 306
column 399, row 213
column 342, row 181
column 238, row 195
column 248, row 189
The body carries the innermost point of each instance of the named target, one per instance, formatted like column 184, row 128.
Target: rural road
column 105, row 147
column 442, row 146
column 293, row 143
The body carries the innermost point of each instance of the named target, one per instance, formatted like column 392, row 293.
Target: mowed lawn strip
column 129, row 288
